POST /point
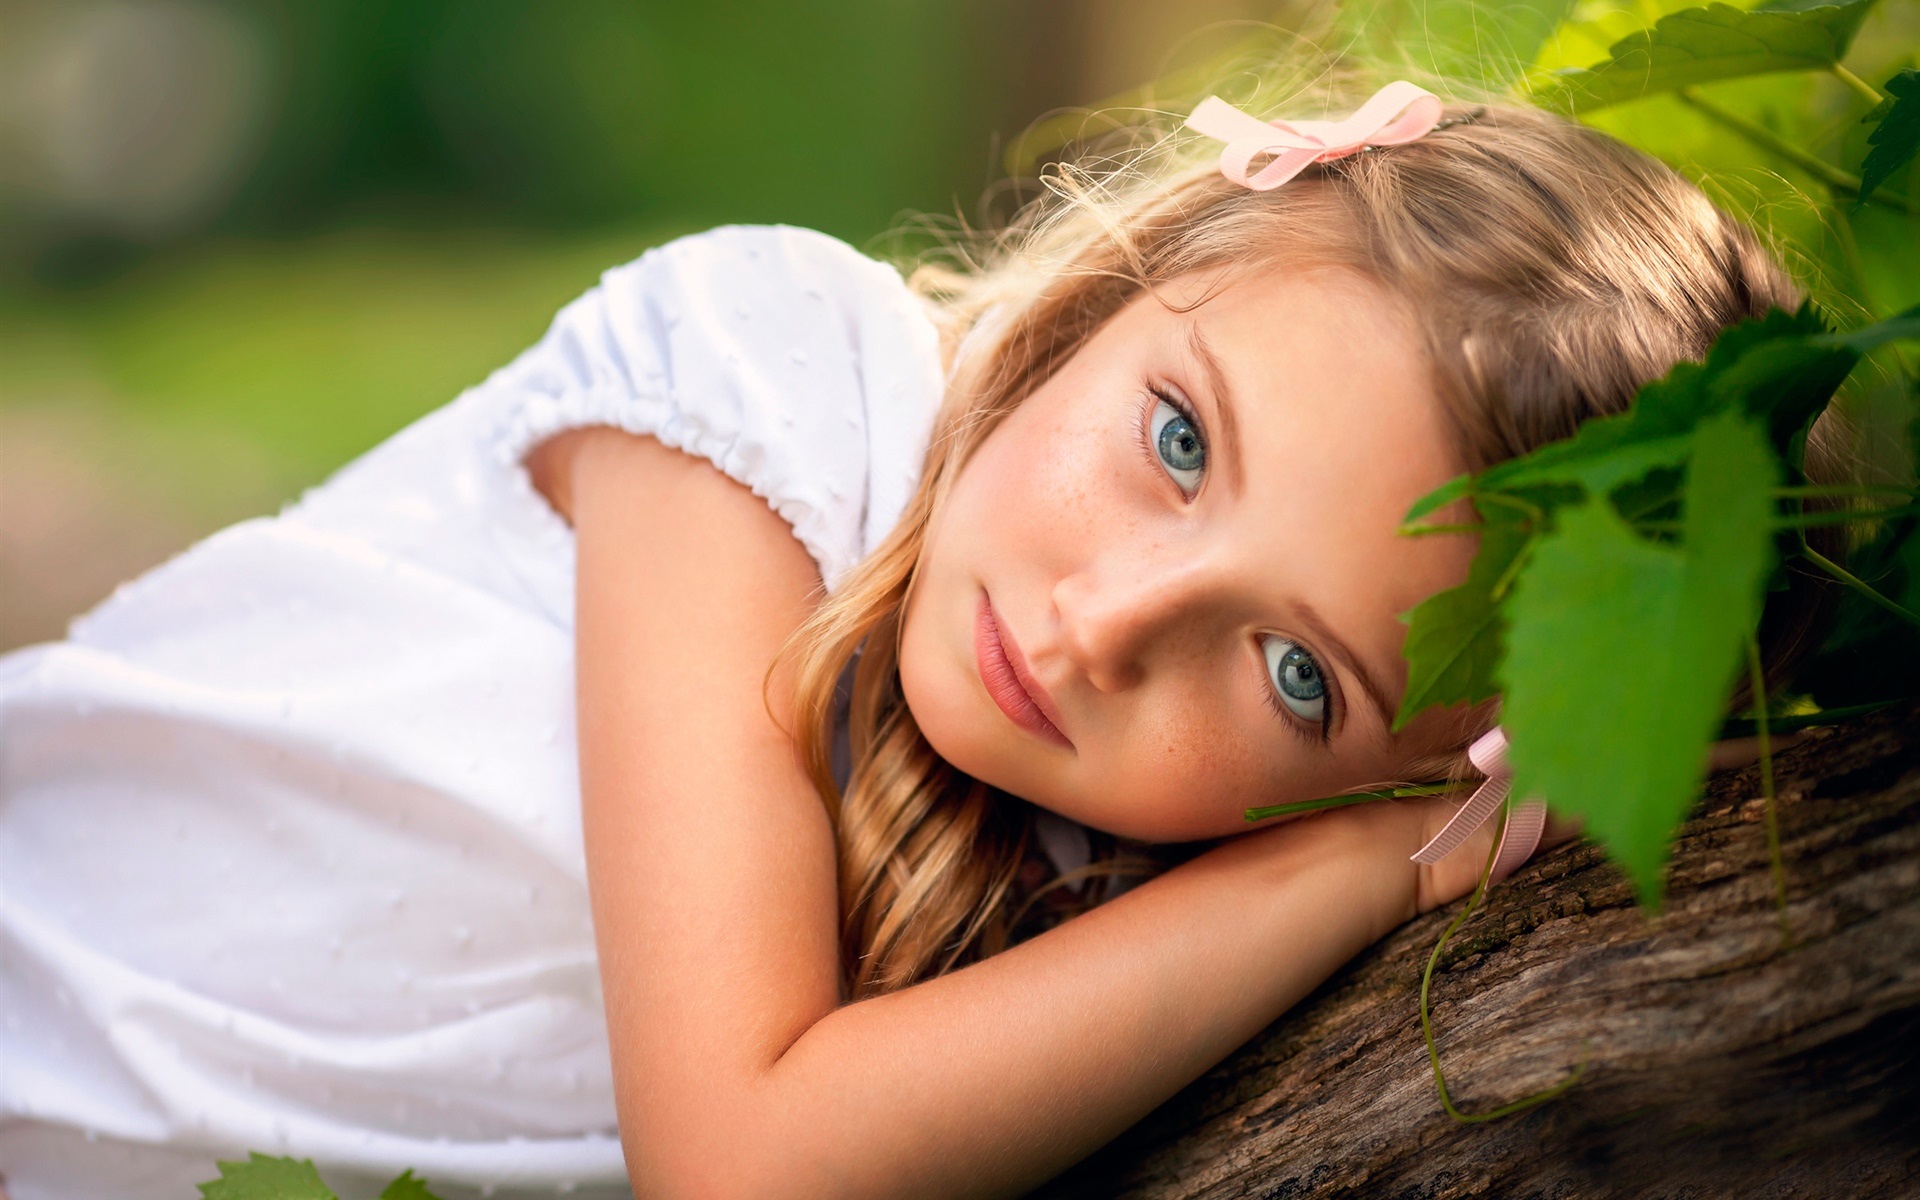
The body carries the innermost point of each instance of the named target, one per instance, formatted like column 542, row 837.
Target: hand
column 1387, row 833
column 1392, row 822
column 1457, row 874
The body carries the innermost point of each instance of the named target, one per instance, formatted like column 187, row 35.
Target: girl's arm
column 711, row 866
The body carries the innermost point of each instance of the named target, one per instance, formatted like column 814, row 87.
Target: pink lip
column 1004, row 671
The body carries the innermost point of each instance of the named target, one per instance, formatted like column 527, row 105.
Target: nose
column 1115, row 618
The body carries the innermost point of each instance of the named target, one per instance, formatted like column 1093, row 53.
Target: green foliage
column 1701, row 45
column 1636, row 551
column 1456, row 639
column 1622, row 649
column 1484, row 43
column 1871, row 654
column 1896, row 137
column 263, row 1177
column 408, row 1187
column 1781, row 368
column 1778, row 370
column 240, row 376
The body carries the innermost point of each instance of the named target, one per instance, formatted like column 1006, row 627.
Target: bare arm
column 711, row 865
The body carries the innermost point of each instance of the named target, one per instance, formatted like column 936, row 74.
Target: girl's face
column 1168, row 585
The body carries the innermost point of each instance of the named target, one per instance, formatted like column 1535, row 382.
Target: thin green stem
column 1303, row 806
column 1771, row 142
column 1856, row 583
column 1424, row 530
column 1736, row 727
column 1757, row 681
column 1822, row 491
column 1426, row 1017
column 1499, row 589
column 1809, row 520
column 1533, row 511
column 1856, row 266
column 1868, row 92
column 1803, row 520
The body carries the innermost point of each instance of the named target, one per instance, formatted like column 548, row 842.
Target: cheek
column 930, row 666
column 1048, row 469
column 930, row 682
column 1184, row 770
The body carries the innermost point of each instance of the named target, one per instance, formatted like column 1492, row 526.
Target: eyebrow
column 1222, row 397
column 1369, row 683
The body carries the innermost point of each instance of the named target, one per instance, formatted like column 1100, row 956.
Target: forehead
column 1324, row 367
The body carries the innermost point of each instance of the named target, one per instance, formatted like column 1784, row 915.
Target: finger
column 1739, row 752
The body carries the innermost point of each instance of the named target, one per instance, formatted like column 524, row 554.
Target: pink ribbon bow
column 1524, row 826
column 1399, row 112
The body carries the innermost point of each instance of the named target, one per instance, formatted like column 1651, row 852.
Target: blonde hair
column 1549, row 269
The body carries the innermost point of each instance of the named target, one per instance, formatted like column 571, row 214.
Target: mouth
column 1004, row 671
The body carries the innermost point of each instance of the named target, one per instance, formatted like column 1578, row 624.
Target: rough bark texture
column 1720, row 1062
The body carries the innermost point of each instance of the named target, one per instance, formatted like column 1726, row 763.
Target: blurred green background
column 243, row 240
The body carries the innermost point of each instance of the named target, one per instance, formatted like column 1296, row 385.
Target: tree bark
column 1720, row 1060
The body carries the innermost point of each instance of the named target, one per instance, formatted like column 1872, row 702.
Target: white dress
column 290, row 852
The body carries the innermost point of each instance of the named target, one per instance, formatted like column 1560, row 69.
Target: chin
column 961, row 725
column 947, row 717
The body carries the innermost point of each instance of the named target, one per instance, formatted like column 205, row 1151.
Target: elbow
column 742, row 1171
column 737, row 1157
column 675, row 1177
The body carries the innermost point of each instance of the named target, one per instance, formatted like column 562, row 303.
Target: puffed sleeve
column 803, row 369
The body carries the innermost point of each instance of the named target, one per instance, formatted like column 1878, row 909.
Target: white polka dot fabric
column 290, row 852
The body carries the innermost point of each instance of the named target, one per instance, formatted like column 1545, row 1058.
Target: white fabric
column 290, row 852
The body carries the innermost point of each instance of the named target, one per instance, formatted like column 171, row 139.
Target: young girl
column 479, row 813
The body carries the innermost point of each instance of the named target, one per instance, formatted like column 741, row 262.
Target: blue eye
column 1178, row 445
column 1297, row 679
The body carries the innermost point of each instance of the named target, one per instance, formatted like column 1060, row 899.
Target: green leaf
column 1782, row 367
column 1870, row 654
column 1899, row 327
column 1456, row 638
column 1620, row 450
column 1457, row 488
column 408, row 1187
column 1584, row 39
column 1620, row 652
column 1701, row 45
column 265, row 1178
column 1896, row 133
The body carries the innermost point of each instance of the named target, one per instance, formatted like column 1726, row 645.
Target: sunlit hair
column 1549, row 270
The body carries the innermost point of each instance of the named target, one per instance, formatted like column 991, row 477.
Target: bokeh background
column 243, row 240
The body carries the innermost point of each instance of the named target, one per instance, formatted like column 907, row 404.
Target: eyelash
column 1157, row 393
column 1323, row 733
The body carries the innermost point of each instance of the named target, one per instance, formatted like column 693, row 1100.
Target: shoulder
column 762, row 293
column 767, row 292
column 802, row 368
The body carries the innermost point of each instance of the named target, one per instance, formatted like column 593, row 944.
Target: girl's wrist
column 1372, row 846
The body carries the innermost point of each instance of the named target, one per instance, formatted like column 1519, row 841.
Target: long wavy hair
column 1549, row 269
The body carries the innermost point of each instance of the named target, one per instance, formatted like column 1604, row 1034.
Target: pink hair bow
column 1528, row 821
column 1397, row 113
